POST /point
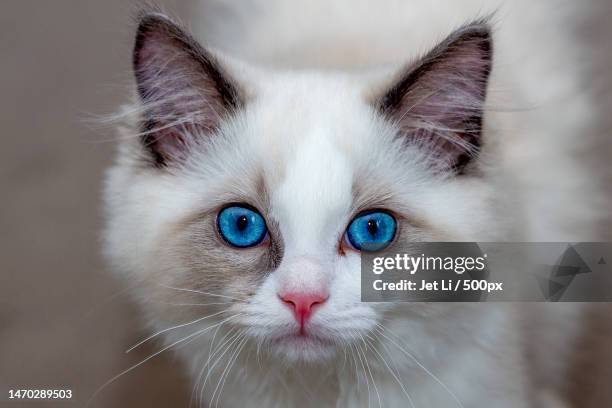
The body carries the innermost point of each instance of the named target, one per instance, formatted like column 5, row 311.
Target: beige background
column 61, row 63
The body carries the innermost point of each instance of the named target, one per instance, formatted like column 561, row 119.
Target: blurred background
column 64, row 322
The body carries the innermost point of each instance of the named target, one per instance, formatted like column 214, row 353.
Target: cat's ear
column 438, row 102
column 184, row 91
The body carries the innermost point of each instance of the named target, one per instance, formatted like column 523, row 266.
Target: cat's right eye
column 241, row 226
column 371, row 231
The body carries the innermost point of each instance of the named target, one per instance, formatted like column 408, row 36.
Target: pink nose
column 302, row 305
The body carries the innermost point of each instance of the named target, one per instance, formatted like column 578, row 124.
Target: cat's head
column 246, row 194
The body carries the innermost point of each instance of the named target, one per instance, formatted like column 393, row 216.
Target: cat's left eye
column 371, row 231
column 241, row 226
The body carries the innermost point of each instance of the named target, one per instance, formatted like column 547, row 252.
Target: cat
column 233, row 202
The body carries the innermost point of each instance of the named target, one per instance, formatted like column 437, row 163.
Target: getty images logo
column 555, row 279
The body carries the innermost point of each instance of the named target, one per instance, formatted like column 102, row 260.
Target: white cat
column 243, row 194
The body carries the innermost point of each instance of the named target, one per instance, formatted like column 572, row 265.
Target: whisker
column 345, row 357
column 370, row 372
column 354, row 364
column 393, row 373
column 237, row 338
column 230, row 333
column 195, row 304
column 196, row 385
column 217, row 325
column 172, row 328
column 228, row 369
column 436, row 379
column 103, row 386
column 201, row 292
column 366, row 377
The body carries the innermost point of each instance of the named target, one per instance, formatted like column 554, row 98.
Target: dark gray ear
column 183, row 89
column 438, row 102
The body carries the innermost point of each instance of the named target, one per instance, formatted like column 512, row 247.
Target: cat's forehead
column 298, row 112
column 309, row 132
column 302, row 138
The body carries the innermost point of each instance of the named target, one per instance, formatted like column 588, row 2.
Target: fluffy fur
column 304, row 140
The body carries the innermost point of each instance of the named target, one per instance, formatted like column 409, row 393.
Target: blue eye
column 241, row 226
column 371, row 231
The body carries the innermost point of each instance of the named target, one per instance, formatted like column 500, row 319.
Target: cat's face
column 250, row 192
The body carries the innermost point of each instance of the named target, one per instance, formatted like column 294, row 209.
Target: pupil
column 242, row 222
column 372, row 227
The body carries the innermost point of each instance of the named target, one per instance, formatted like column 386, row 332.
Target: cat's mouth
column 303, row 346
column 299, row 338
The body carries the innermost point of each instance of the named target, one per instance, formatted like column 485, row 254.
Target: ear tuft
column 183, row 90
column 438, row 102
